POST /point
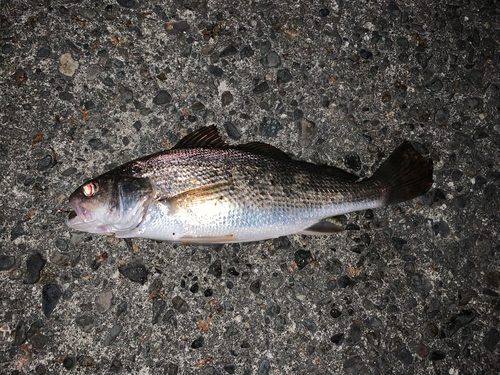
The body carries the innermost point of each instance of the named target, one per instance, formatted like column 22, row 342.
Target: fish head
column 111, row 204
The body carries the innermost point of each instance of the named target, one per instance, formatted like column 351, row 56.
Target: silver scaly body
column 211, row 195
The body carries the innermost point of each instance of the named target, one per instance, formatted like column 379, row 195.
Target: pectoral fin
column 321, row 228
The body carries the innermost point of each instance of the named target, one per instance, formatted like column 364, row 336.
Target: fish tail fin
column 404, row 175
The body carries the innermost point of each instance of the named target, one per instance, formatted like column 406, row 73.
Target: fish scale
column 205, row 191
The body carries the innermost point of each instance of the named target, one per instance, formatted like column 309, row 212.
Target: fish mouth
column 75, row 217
column 76, row 220
column 72, row 215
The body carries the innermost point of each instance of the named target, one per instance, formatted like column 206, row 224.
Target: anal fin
column 322, row 228
column 208, row 240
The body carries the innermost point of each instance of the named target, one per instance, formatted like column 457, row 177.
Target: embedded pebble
column 126, row 3
column 69, row 363
column 261, row 88
column 436, row 355
column 60, row 259
column 434, row 197
column 162, row 98
column 491, row 340
column 283, row 76
column 92, row 72
column 337, row 338
column 365, row 54
column 7, row 262
column 96, row 144
column 302, row 258
column 194, row 288
column 215, row 70
column 335, row 313
column 85, row 322
column 215, row 269
column 352, row 161
column 112, row 334
column 34, row 265
column 421, row 284
column 116, row 366
column 464, row 139
column 228, row 51
column 198, row 343
column 435, row 85
column 269, row 127
column 232, row 131
column 135, row 272
column 51, row 294
column 458, row 321
column 473, row 103
column 404, row 355
column 169, row 317
column 17, row 231
column 44, row 163
column 87, row 361
column 324, row 12
column 180, row 305
column 398, row 243
column 307, row 130
column 354, row 365
column 355, row 332
column 43, row 52
column 20, row 334
column 68, row 65
column 279, row 323
column 158, row 309
column 271, row 60
column 226, row 98
column 103, row 301
column 310, row 325
column 246, row 52
column 264, row 367
column 255, row 286
column 88, row 13
column 344, row 281
column 61, row 243
column 137, row 125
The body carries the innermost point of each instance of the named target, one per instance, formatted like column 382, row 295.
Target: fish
column 206, row 191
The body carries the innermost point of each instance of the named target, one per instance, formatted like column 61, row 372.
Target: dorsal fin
column 262, row 148
column 334, row 171
column 207, row 137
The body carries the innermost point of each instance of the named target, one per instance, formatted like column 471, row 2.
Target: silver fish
column 205, row 191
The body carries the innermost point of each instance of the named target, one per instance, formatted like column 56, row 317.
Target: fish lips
column 79, row 221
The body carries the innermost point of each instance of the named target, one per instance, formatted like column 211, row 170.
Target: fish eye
column 90, row 188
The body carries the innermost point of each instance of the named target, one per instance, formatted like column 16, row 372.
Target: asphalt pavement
column 412, row 288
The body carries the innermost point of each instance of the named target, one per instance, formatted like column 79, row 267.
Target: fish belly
column 212, row 223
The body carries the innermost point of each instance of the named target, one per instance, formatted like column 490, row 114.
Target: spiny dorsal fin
column 207, row 137
column 264, row 149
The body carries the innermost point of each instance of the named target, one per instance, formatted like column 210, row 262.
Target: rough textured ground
column 408, row 289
